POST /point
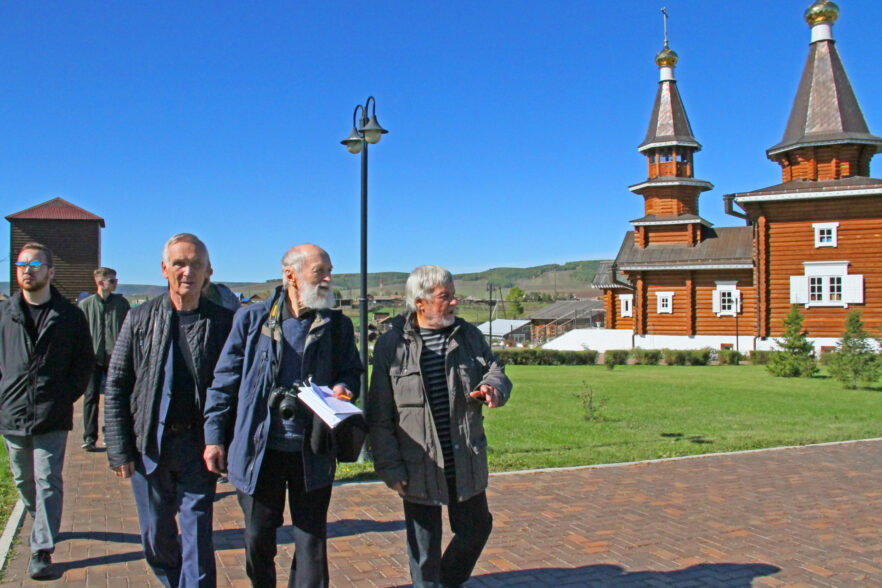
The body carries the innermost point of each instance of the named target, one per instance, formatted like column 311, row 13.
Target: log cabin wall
column 706, row 321
column 672, row 201
column 791, row 242
column 623, row 322
column 678, row 321
column 666, row 234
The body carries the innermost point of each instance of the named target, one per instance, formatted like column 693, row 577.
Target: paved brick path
column 794, row 517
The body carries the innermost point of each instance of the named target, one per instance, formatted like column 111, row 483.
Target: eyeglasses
column 112, row 280
column 33, row 264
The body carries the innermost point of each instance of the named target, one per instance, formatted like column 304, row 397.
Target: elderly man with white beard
column 267, row 442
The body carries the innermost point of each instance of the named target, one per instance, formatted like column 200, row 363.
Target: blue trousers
column 179, row 486
column 36, row 462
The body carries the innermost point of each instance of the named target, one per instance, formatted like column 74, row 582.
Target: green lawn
column 8, row 493
column 664, row 411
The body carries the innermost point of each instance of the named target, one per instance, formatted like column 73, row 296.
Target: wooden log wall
column 659, row 234
column 706, row 321
column 671, row 201
column 791, row 242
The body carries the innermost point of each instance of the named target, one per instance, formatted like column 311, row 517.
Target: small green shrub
column 787, row 365
column 546, row 357
column 760, row 357
column 699, row 356
column 730, row 357
column 614, row 357
column 675, row 356
column 647, row 356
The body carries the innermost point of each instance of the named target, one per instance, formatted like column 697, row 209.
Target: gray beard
column 313, row 297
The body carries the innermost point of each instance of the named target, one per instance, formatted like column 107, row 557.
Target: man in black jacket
column 161, row 366
column 45, row 362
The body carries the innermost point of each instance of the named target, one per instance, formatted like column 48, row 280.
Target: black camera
column 284, row 399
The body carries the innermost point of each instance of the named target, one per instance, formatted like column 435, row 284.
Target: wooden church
column 812, row 240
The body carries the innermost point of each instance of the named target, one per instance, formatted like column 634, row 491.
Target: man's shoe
column 41, row 565
column 89, row 446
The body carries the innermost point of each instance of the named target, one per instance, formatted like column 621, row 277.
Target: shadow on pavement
column 110, row 537
column 730, row 575
column 101, row 560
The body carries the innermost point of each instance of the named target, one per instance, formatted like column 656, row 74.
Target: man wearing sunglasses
column 45, row 362
column 105, row 312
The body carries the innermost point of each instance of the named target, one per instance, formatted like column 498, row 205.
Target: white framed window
column 727, row 299
column 664, row 302
column 626, row 302
column 826, row 283
column 826, row 234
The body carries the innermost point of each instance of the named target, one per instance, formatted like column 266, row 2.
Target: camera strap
column 273, row 329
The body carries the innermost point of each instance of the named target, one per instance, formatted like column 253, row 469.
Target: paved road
column 807, row 516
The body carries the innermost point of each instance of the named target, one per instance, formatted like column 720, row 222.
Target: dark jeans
column 471, row 524
column 179, row 486
column 90, row 404
column 264, row 512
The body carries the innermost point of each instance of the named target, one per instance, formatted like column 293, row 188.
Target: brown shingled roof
column 725, row 246
column 56, row 209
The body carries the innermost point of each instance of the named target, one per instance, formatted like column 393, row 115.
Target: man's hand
column 341, row 392
column 487, row 394
column 399, row 487
column 215, row 459
column 125, row 471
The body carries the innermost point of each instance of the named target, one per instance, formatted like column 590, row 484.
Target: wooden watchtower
column 73, row 235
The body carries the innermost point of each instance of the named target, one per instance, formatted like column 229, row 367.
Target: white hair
column 186, row 238
column 421, row 284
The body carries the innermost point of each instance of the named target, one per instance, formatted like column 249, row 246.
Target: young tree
column 514, row 297
column 855, row 358
column 797, row 355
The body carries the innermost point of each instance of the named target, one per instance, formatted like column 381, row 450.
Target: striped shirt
column 432, row 364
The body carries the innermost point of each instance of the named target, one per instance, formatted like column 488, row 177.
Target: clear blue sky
column 513, row 125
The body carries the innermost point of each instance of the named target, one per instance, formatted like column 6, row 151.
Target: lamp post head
column 373, row 132
column 353, row 142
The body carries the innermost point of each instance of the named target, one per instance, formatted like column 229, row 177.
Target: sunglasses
column 33, row 264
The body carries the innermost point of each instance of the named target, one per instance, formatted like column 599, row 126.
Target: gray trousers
column 36, row 462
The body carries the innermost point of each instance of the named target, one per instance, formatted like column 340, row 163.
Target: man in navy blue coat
column 267, row 442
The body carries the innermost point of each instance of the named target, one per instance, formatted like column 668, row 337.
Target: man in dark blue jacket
column 265, row 448
column 45, row 363
column 161, row 366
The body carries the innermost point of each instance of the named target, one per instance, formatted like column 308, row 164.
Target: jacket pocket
column 415, row 461
column 480, row 471
column 407, row 387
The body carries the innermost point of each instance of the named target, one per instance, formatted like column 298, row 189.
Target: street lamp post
column 364, row 130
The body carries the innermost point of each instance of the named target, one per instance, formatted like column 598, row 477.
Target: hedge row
column 614, row 357
column 546, row 357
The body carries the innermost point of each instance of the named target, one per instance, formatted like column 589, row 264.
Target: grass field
column 661, row 411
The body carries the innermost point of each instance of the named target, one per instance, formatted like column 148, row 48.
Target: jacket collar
column 17, row 300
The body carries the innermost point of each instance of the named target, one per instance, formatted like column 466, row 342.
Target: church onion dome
column 821, row 11
column 667, row 57
column 825, row 110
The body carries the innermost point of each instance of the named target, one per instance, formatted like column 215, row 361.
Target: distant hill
column 573, row 277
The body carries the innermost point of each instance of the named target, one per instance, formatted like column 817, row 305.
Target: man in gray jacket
column 105, row 312
column 432, row 375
